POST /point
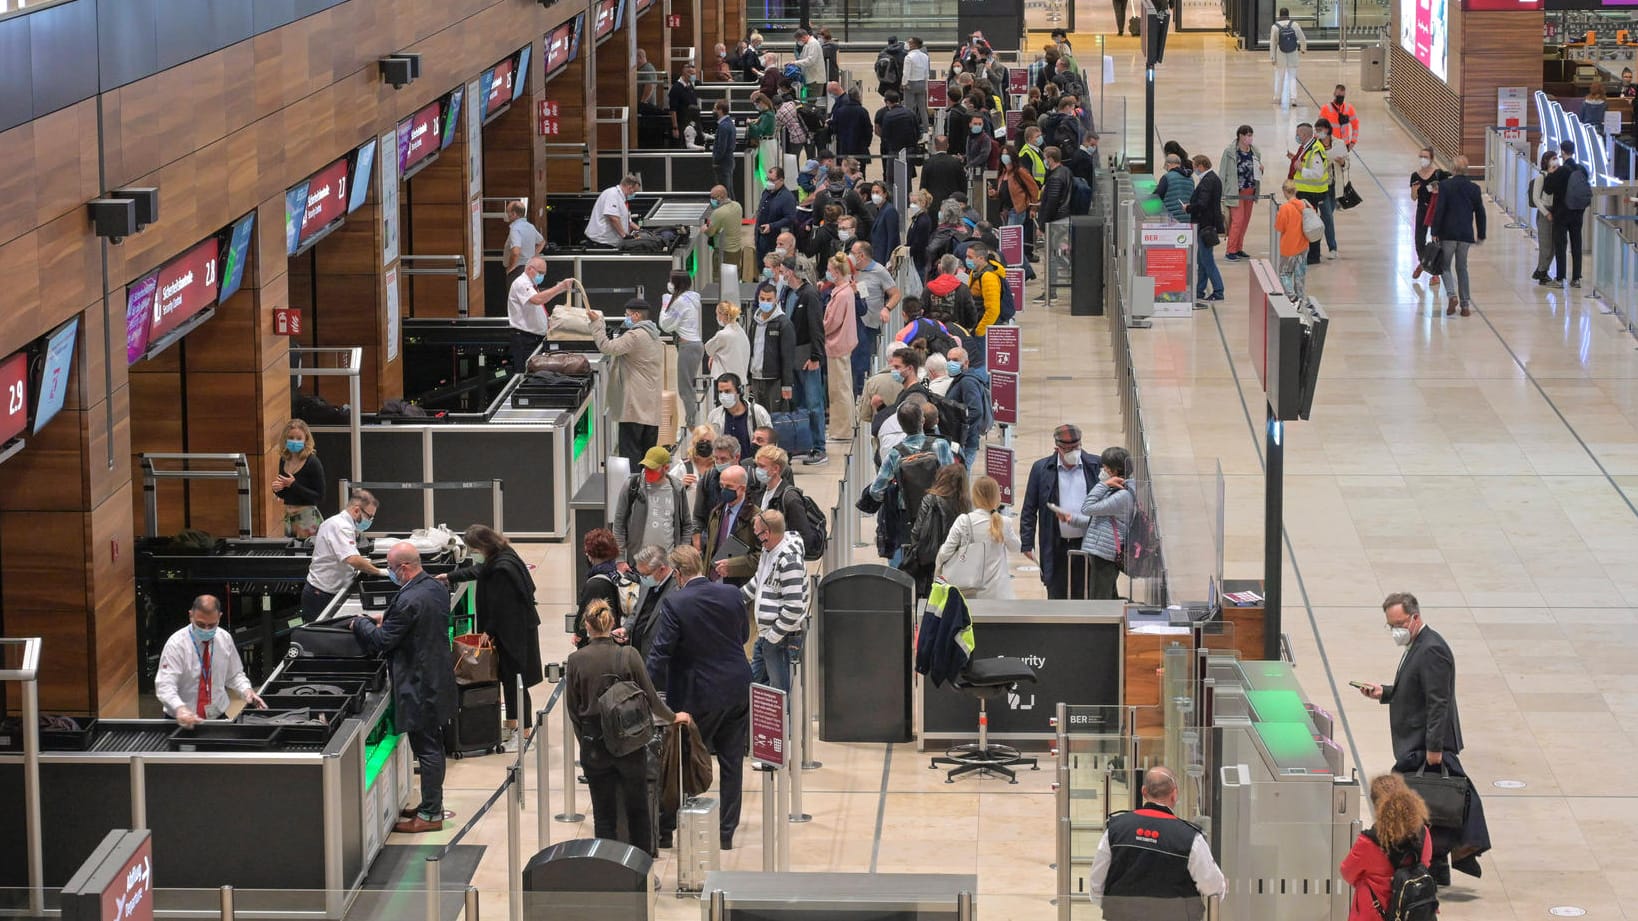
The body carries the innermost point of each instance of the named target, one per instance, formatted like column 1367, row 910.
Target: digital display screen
column 521, row 79
column 363, row 165
column 497, row 87
column 14, row 389
column 643, row 5
column 558, row 42
column 326, row 200
column 417, row 136
column 452, row 117
column 1424, row 33
column 139, row 311
column 187, row 285
column 1503, row 6
column 619, row 13
column 606, row 18
column 295, row 205
column 233, row 261
column 53, row 384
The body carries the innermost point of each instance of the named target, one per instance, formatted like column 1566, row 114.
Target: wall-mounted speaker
column 114, row 218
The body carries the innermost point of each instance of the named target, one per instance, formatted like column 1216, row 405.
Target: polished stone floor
column 1485, row 463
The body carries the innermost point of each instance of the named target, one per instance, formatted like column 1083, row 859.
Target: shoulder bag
column 1446, row 795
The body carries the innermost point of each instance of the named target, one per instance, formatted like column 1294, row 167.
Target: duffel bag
column 328, row 639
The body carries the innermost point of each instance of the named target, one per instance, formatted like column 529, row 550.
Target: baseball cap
column 657, row 458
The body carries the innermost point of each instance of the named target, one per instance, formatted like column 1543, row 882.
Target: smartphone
column 1359, row 684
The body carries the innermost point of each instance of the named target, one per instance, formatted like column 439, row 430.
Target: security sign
column 1001, row 349
column 546, row 114
column 998, row 466
column 1004, row 391
column 769, row 734
column 286, row 321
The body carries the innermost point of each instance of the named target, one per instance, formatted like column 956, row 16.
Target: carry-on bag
column 1446, row 795
column 699, row 827
column 331, row 638
column 475, row 729
column 795, row 435
column 475, row 659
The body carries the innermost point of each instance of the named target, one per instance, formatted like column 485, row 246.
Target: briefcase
column 1445, row 795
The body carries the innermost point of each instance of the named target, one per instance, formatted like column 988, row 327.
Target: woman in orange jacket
column 1293, row 242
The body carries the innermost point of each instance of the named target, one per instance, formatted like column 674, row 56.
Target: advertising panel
column 139, row 299
column 1424, row 30
column 233, row 261
column 53, row 384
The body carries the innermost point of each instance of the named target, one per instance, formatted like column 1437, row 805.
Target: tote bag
column 965, row 570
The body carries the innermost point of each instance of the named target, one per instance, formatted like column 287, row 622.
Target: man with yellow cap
column 652, row 509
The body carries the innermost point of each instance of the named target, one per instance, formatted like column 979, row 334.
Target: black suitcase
column 476, row 727
column 330, row 639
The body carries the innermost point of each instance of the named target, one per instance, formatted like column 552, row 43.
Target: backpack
column 986, row 416
column 626, row 589
column 1288, row 37
column 1080, row 196
column 816, row 535
column 1008, row 308
column 627, row 720
column 1139, row 541
column 917, row 470
column 1412, row 893
column 1058, row 132
column 952, row 415
column 812, row 119
column 938, row 341
column 1313, row 226
column 888, row 69
column 1578, row 193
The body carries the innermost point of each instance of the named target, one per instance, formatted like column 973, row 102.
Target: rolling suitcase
column 476, row 727
column 699, row 831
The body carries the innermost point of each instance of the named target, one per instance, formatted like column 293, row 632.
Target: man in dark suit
column 730, row 521
column 943, row 174
column 775, row 214
column 414, row 630
column 1425, row 727
column 1063, row 479
column 658, row 580
column 699, row 656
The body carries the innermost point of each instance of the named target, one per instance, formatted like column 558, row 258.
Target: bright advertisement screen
column 139, row 310
column 363, row 165
column 326, row 200
column 233, row 261
column 418, row 136
column 452, row 117
column 14, row 393
column 520, row 80
column 607, row 18
column 53, row 385
column 187, row 285
column 1424, row 32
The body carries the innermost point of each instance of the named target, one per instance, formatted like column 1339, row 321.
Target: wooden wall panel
column 567, row 173
column 45, row 596
column 616, row 84
column 1487, row 50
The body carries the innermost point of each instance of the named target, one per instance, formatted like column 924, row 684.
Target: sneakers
column 1575, row 282
column 1232, row 257
column 816, row 457
column 1548, row 281
column 1538, row 275
column 1331, row 255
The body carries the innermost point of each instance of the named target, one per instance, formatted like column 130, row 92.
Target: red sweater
column 1366, row 868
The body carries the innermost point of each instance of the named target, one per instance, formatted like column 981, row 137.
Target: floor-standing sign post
column 1003, row 359
column 770, row 745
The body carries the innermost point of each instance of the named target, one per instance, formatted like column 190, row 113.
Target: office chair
column 986, row 679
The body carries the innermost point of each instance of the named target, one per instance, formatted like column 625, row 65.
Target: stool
column 986, row 679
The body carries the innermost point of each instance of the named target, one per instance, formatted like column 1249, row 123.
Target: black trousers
column 428, row 746
column 635, row 440
column 725, row 178
column 313, row 601
column 523, row 344
column 507, row 669
column 727, row 735
column 1105, row 576
column 1567, row 234
column 1064, row 583
column 1317, row 199
column 614, row 781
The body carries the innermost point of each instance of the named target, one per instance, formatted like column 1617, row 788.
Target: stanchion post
column 472, row 911
column 514, row 845
column 568, row 814
column 1060, row 789
column 784, row 828
column 964, row 906
column 718, row 910
column 227, row 903
column 543, row 773
column 793, row 745
column 770, row 819
column 522, row 735
column 862, row 472
column 434, row 883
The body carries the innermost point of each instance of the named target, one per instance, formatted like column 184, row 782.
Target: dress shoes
column 416, row 825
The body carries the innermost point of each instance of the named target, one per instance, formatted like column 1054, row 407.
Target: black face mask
column 1339, row 100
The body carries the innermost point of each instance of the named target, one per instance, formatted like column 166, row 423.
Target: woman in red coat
column 1402, row 827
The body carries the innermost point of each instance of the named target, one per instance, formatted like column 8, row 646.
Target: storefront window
column 1322, row 21
column 856, row 21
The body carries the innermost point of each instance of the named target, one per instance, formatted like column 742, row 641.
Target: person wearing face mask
column 526, row 310
column 683, row 102
column 693, row 465
column 775, row 213
column 849, row 123
column 724, row 227
column 1311, row 173
column 979, row 146
column 1063, row 478
column 734, row 415
column 1426, row 728
column 1424, row 186
column 970, row 386
column 414, row 633
column 611, row 217
column 948, row 294
column 335, row 554
column 804, row 305
column 635, row 384
column 729, row 351
column 198, row 667
column 773, row 351
column 882, row 295
column 1542, row 203
column 300, row 482
column 680, row 314
column 506, row 602
column 655, row 581
column 652, row 508
column 1342, row 116
column 841, row 336
column 731, row 549
column 725, row 451
column 1104, row 515
column 723, row 145
column 884, row 231
column 921, row 230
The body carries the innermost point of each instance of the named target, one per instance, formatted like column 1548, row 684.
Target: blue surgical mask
column 768, row 274
column 977, row 128
column 955, row 367
column 201, row 634
column 647, row 581
column 720, row 467
column 477, row 556
column 294, row 447
column 539, row 279
column 627, row 324
column 971, row 265
column 764, row 307
column 364, row 523
column 392, row 576
column 762, row 476
column 897, row 375
column 1006, row 159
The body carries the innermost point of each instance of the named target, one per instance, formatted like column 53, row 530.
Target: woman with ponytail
column 978, row 544
column 1399, row 838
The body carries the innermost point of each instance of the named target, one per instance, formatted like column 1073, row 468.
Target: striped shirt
column 779, row 593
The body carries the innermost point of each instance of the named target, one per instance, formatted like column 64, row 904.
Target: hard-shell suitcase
column 699, row 829
column 476, row 726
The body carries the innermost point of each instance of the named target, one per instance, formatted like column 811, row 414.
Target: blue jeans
column 810, row 395
column 861, row 356
column 771, row 664
column 1205, row 269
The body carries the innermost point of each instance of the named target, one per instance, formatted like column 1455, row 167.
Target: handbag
column 1433, row 258
column 569, row 321
column 1209, row 237
column 965, row 570
column 330, row 639
column 475, row 661
column 1313, row 226
column 568, row 364
column 1445, row 795
column 1349, row 198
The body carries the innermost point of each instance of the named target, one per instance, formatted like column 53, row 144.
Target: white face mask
column 1401, row 636
column 1071, row 458
column 844, row 235
column 1425, row 162
column 877, row 199
column 670, row 288
column 728, row 400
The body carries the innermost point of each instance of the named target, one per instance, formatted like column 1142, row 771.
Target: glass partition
column 867, row 22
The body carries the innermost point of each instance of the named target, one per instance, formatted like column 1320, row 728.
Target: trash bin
column 864, row 640
column 1373, row 70
column 588, row 878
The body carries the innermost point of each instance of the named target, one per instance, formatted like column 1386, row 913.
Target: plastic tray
column 226, row 737
column 374, row 671
column 303, row 734
column 51, row 740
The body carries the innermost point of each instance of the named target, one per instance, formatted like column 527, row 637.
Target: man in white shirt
column 336, row 556
column 1152, row 864
column 526, row 310
column 611, row 218
column 810, row 57
column 916, row 69
column 523, row 240
column 198, row 667
column 882, row 295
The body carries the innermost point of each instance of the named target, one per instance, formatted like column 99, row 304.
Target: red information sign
column 998, row 464
column 1170, row 270
column 286, row 321
column 1018, row 80
column 938, row 94
column 418, row 136
column 768, row 730
column 546, row 115
column 188, row 285
column 674, row 21
column 127, row 897
column 1012, row 243
column 14, row 391
column 1001, row 349
column 1015, row 118
column 500, row 87
column 1015, row 281
column 326, row 199
column 1004, row 391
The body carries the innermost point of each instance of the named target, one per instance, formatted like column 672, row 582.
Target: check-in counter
column 1076, row 648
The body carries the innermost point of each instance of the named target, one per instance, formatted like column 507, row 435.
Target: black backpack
column 888, row 69
column 816, row 535
column 1288, row 37
column 1578, row 191
column 1412, row 893
column 952, row 416
column 812, row 119
column 938, row 341
column 918, row 467
column 626, row 718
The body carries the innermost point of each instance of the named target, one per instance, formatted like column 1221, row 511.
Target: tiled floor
column 1486, row 463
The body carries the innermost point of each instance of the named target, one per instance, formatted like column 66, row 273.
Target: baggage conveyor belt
column 134, row 740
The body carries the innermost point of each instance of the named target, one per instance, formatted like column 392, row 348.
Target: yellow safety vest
column 1313, row 186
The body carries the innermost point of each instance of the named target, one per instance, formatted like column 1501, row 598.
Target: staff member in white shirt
column 680, row 314
column 525, row 311
column 336, row 556
column 523, row 239
column 916, row 68
column 611, row 218
column 199, row 665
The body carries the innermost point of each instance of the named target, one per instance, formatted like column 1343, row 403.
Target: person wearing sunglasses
column 1061, row 479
